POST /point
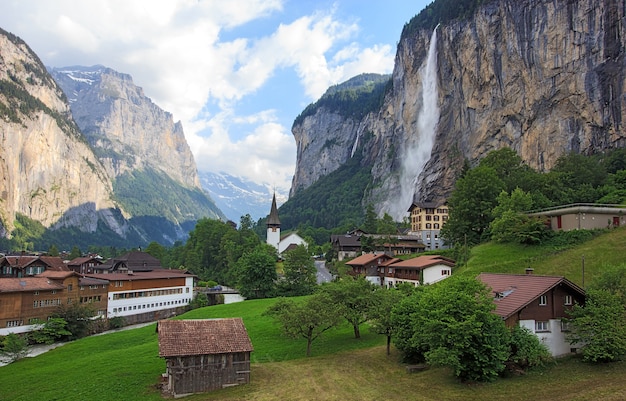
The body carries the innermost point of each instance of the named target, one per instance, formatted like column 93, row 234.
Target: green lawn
column 125, row 365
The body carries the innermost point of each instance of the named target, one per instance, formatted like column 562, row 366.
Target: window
column 436, row 226
column 427, row 226
column 542, row 326
column 70, row 287
column 565, row 326
column 568, row 300
column 436, row 218
column 445, row 272
column 543, row 300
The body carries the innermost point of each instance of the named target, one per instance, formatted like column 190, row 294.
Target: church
column 286, row 243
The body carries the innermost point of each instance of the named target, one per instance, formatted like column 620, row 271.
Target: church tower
column 273, row 225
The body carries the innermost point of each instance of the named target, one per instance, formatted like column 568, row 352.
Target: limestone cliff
column 125, row 128
column 47, row 171
column 543, row 77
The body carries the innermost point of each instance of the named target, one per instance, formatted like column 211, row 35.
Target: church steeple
column 272, row 219
column 273, row 225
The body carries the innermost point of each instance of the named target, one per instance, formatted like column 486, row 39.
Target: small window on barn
column 543, row 300
column 568, row 300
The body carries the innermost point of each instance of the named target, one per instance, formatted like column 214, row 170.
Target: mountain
column 237, row 196
column 544, row 78
column 118, row 174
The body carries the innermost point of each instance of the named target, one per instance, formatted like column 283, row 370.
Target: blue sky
column 236, row 73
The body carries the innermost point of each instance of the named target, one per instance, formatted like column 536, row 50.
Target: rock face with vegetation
column 48, row 172
column 544, row 78
column 114, row 157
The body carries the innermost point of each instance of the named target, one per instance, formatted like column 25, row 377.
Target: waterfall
column 419, row 147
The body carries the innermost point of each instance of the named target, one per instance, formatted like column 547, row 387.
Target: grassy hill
column 125, row 365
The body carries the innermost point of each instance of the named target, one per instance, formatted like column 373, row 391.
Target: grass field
column 125, row 365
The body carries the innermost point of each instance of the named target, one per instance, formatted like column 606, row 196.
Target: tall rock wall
column 47, row 171
column 543, row 77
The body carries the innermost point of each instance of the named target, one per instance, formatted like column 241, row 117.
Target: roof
column 515, row 291
column 92, row 281
column 140, row 275
column 202, row 337
column 134, row 260
column 422, row 262
column 367, row 258
column 55, row 263
column 427, row 205
column 28, row 284
column 84, row 259
column 346, row 240
column 57, row 274
column 272, row 219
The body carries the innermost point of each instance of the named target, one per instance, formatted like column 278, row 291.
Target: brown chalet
column 537, row 303
column 83, row 265
column 28, row 265
column 204, row 355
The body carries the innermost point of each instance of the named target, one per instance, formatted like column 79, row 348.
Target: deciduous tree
column 354, row 298
column 256, row 272
column 300, row 272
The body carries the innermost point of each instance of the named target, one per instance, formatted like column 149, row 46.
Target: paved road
column 323, row 275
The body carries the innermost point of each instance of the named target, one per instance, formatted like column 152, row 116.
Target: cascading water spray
column 419, row 147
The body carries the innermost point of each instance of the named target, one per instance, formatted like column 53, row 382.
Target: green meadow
column 125, row 365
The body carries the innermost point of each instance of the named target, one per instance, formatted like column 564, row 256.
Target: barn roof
column 202, row 337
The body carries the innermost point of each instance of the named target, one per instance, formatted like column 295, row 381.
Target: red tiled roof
column 57, row 274
column 518, row 290
column 367, row 258
column 202, row 337
column 422, row 262
column 28, row 284
column 84, row 259
column 55, row 263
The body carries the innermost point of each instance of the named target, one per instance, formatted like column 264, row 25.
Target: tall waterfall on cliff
column 419, row 147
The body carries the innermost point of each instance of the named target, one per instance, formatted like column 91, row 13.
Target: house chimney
column 529, row 270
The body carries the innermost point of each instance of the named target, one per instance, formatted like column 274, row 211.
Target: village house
column 28, row 265
column 204, row 355
column 427, row 218
column 84, row 264
column 538, row 303
column 388, row 271
column 26, row 301
column 352, row 244
column 585, row 216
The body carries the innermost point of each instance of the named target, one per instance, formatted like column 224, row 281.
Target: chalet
column 84, row 264
column 369, row 265
column 426, row 269
column 388, row 271
column 94, row 292
column 346, row 246
column 135, row 261
column 28, row 265
column 583, row 216
column 204, row 355
column 144, row 296
column 538, row 303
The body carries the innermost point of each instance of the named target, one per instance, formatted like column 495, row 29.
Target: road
column 323, row 275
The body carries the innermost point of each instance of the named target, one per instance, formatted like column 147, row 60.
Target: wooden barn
column 204, row 355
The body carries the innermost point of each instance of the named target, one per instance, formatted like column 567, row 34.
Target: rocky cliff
column 125, row 128
column 543, row 77
column 47, row 171
column 120, row 169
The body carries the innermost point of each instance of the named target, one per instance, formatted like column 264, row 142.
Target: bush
column 527, row 350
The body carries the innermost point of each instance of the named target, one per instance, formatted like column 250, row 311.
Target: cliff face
column 47, row 172
column 541, row 77
column 125, row 128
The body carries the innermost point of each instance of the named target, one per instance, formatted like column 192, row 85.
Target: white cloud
column 173, row 50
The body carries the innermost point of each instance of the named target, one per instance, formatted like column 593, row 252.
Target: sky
column 236, row 73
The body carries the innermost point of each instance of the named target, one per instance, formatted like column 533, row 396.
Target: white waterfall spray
column 419, row 147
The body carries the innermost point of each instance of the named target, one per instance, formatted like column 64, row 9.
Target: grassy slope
column 125, row 365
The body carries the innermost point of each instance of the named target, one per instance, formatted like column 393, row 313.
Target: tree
column 300, row 272
column 600, row 326
column 526, row 349
column 50, row 331
column 14, row 347
column 379, row 313
column 452, row 324
column 78, row 318
column 53, row 250
column 510, row 224
column 75, row 253
column 256, row 272
column 471, row 204
column 158, row 251
column 354, row 298
column 370, row 225
column 308, row 318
